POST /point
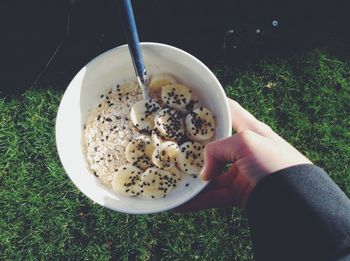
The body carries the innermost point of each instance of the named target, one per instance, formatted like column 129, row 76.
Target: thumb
column 218, row 153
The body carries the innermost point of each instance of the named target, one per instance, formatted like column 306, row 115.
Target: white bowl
column 93, row 80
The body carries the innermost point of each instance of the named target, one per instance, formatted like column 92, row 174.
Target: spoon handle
column 132, row 37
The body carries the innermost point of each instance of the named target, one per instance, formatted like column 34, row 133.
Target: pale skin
column 254, row 152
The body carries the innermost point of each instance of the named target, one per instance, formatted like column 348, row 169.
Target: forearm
column 299, row 213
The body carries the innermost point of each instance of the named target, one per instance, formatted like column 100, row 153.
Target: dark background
column 72, row 32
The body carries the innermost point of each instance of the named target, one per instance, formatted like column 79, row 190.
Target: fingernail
column 202, row 174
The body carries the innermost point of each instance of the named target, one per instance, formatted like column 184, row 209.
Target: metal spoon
column 132, row 37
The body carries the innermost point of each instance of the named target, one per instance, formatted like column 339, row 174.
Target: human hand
column 254, row 152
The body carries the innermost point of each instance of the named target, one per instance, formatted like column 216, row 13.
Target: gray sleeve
column 299, row 213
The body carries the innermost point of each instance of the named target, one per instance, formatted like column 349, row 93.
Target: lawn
column 305, row 98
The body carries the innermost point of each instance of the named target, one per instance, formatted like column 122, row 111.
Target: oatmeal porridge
column 143, row 147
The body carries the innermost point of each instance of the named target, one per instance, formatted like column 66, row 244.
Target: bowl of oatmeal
column 136, row 156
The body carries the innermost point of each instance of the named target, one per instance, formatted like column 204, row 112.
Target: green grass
column 44, row 216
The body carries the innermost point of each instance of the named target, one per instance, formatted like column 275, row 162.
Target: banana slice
column 190, row 159
column 164, row 156
column 176, row 96
column 156, row 140
column 142, row 114
column 200, row 124
column 169, row 125
column 156, row 183
column 176, row 175
column 139, row 151
column 159, row 80
column 126, row 180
